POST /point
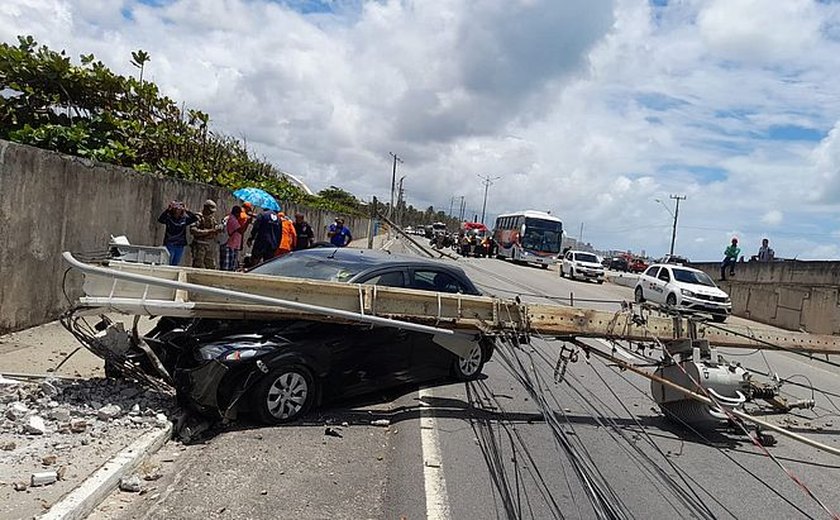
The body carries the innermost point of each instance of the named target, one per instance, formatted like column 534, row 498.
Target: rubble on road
column 54, row 432
column 130, row 484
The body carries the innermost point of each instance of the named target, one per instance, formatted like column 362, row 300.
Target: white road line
column 437, row 501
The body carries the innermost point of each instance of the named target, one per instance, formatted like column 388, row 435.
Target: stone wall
column 50, row 203
column 795, row 295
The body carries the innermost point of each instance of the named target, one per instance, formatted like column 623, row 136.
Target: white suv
column 580, row 264
column 683, row 288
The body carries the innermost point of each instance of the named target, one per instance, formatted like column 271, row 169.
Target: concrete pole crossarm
column 552, row 320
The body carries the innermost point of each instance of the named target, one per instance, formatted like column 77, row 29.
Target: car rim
column 470, row 364
column 287, row 395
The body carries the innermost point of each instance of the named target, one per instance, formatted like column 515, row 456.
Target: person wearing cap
column 730, row 257
column 204, row 248
column 177, row 218
column 338, row 234
column 305, row 235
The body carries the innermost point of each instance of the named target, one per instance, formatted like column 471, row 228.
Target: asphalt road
column 486, row 450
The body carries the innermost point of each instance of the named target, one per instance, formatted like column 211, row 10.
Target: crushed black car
column 280, row 370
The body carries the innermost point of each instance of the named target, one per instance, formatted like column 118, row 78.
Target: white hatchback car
column 683, row 288
column 581, row 264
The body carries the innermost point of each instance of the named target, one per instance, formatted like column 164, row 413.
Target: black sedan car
column 279, row 370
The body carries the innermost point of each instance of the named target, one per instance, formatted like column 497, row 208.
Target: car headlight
column 227, row 353
column 686, row 292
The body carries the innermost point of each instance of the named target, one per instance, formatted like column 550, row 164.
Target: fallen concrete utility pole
column 186, row 292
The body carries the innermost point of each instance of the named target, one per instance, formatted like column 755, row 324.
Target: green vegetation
column 89, row 111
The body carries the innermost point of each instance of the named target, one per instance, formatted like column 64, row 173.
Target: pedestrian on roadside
column 765, row 252
column 229, row 254
column 338, row 234
column 288, row 237
column 204, row 232
column 265, row 236
column 730, row 257
column 177, row 219
column 305, row 235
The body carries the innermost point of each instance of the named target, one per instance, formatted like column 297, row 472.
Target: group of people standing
column 272, row 234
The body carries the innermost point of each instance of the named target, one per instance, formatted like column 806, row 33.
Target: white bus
column 529, row 236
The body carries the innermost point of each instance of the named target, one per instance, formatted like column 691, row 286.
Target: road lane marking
column 437, row 500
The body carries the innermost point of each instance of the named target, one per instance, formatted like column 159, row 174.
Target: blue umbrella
column 257, row 197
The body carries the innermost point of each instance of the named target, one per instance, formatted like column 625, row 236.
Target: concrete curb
column 80, row 502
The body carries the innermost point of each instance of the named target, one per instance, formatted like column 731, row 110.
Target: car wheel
column 285, row 394
column 719, row 318
column 572, row 274
column 562, row 273
column 599, row 281
column 671, row 300
column 467, row 368
column 640, row 297
column 544, row 266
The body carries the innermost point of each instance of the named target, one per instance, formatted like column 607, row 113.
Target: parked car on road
column 617, row 263
column 281, row 369
column 637, row 265
column 582, row 264
column 683, row 288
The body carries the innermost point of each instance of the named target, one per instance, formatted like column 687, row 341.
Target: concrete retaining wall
column 792, row 294
column 51, row 203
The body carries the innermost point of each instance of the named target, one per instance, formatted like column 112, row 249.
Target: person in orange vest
column 288, row 238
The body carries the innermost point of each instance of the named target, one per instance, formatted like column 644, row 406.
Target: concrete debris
column 43, row 478
column 78, row 425
column 381, row 422
column 49, row 389
column 48, row 460
column 108, row 412
column 35, row 425
column 59, row 414
column 8, row 445
column 332, row 432
column 16, row 411
column 20, row 486
column 130, row 484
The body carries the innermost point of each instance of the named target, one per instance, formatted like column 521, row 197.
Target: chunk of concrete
column 108, row 412
column 44, row 478
column 130, row 484
column 17, row 411
column 78, row 425
column 35, row 425
column 60, row 414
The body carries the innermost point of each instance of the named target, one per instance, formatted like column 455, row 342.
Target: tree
column 139, row 59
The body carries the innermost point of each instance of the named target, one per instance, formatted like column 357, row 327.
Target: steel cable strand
column 533, row 466
column 605, row 502
column 705, row 439
column 749, row 435
column 699, row 506
column 518, row 445
column 683, row 475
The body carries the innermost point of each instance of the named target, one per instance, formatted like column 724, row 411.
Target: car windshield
column 317, row 268
column 542, row 235
column 586, row 257
column 693, row 277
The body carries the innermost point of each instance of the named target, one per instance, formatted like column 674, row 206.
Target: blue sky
column 592, row 109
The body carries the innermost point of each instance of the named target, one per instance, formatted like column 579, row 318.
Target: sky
column 591, row 109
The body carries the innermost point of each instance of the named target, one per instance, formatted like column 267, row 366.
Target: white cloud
column 773, row 217
column 589, row 109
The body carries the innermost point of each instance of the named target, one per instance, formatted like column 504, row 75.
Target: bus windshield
column 542, row 235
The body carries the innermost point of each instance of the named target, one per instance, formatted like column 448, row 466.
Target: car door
column 367, row 357
column 649, row 284
column 663, row 280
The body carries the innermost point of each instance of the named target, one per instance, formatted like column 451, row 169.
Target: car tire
column 562, row 273
column 470, row 367
column 572, row 274
column 544, row 266
column 599, row 281
column 285, row 394
column 671, row 300
column 719, row 318
column 639, row 295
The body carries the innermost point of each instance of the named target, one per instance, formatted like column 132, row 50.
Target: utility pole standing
column 462, row 209
column 677, row 199
column 487, row 181
column 393, row 182
column 451, row 203
column 400, row 201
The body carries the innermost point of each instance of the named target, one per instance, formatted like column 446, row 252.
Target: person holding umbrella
column 265, row 236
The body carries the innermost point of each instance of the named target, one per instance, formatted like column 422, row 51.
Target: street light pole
column 487, row 181
column 677, row 199
column 393, row 182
